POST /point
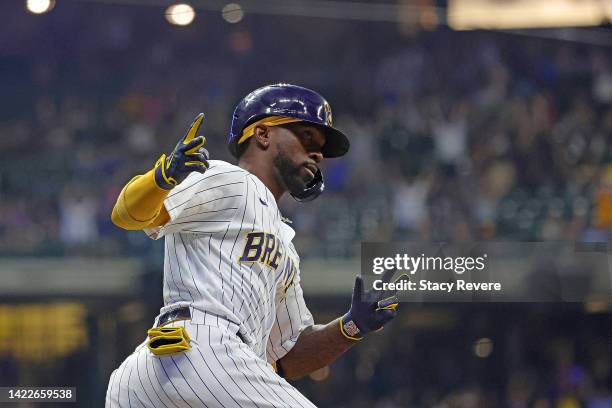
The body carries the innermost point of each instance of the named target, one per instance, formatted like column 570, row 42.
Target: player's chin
column 297, row 184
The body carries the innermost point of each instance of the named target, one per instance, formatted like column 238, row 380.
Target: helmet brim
column 336, row 143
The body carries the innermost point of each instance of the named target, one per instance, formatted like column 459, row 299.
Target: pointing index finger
column 193, row 129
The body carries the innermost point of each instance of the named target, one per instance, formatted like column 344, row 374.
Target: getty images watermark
column 410, row 265
column 489, row 271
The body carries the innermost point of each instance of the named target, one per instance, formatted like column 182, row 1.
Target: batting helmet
column 288, row 103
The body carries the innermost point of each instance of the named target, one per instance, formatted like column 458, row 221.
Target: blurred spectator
column 457, row 136
column 78, row 218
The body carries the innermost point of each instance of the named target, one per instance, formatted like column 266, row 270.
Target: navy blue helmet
column 290, row 101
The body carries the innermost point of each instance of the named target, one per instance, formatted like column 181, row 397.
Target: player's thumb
column 358, row 289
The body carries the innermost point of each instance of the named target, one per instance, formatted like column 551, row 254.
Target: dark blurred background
column 457, row 135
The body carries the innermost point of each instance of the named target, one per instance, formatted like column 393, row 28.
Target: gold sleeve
column 141, row 204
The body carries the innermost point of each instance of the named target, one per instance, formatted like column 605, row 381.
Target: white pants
column 219, row 371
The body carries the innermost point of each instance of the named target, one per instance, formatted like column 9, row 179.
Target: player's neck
column 266, row 174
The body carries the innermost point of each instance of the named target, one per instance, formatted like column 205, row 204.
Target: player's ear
column 261, row 134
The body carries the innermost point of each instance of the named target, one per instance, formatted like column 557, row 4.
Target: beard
column 289, row 173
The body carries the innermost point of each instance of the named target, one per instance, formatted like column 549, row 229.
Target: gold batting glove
column 168, row 340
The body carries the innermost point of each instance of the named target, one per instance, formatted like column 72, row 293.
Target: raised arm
column 140, row 203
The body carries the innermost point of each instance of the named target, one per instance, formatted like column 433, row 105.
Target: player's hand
column 370, row 309
column 188, row 155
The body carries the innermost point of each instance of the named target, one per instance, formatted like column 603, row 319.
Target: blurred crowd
column 476, row 138
column 512, row 356
column 466, row 136
column 455, row 137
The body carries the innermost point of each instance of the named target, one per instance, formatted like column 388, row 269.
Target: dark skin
column 284, row 158
column 280, row 155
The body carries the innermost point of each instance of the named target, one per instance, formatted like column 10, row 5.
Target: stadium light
column 483, row 347
column 39, row 6
column 492, row 14
column 232, row 13
column 180, row 14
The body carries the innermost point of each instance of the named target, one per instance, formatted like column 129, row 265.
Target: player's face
column 298, row 154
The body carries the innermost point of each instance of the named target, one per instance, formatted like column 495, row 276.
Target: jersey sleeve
column 203, row 203
column 292, row 317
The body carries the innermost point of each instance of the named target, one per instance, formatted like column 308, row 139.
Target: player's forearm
column 316, row 347
column 140, row 203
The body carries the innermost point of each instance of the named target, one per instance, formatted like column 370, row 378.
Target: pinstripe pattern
column 268, row 320
column 210, row 217
column 257, row 222
column 218, row 372
column 154, row 401
column 171, row 382
column 258, row 315
column 156, row 386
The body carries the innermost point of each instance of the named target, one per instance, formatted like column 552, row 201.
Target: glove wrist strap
column 349, row 329
column 161, row 178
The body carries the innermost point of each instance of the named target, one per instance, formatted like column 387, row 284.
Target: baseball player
column 234, row 324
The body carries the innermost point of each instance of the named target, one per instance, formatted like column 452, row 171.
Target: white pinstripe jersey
column 228, row 253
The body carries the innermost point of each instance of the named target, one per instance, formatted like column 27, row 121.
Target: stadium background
column 456, row 136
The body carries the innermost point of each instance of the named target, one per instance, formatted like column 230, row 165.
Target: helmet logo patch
column 328, row 113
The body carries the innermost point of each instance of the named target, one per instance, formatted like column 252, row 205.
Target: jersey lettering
column 278, row 254
column 252, row 247
column 262, row 247
column 271, row 244
column 289, row 273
